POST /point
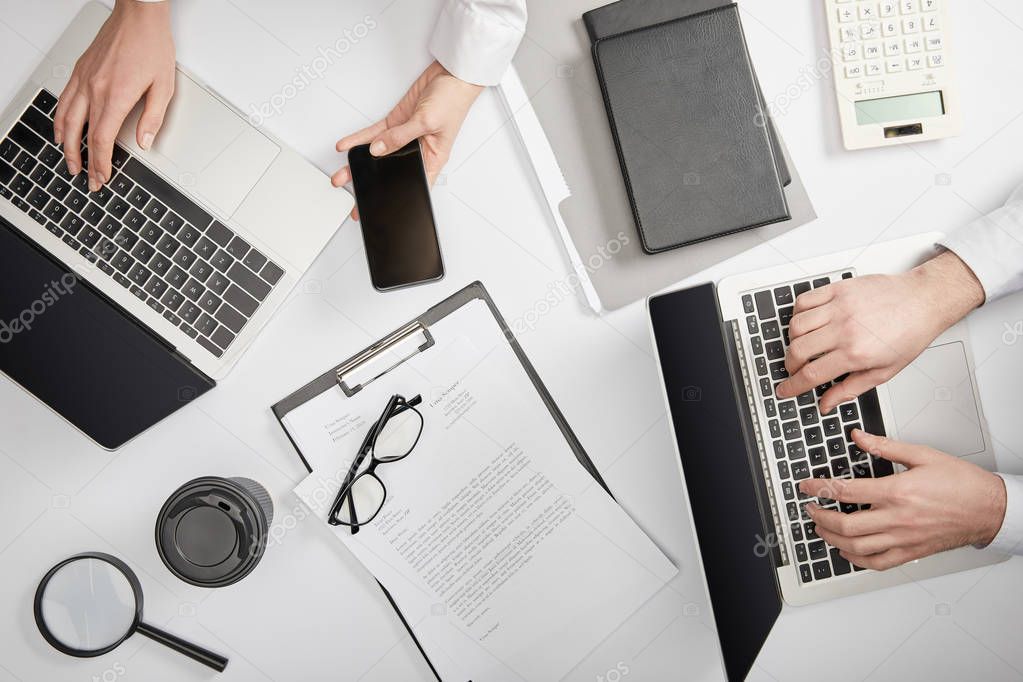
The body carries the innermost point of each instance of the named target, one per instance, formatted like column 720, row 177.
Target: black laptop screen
column 722, row 489
column 79, row 353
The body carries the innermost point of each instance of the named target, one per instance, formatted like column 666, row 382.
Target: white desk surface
column 309, row 611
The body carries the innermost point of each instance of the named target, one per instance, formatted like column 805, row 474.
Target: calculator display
column 904, row 107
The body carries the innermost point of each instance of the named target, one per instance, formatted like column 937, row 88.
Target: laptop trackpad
column 206, row 147
column 934, row 403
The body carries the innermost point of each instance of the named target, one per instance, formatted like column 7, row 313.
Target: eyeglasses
column 392, row 438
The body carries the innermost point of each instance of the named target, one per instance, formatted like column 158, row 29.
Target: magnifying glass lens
column 88, row 605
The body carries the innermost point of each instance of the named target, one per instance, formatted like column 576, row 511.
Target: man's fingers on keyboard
column 102, row 134
column 809, row 320
column 813, row 298
column 158, row 98
column 813, row 374
column 885, row 560
column 863, row 545
column 850, row 388
column 851, row 490
column 74, row 123
column 809, row 346
column 60, row 113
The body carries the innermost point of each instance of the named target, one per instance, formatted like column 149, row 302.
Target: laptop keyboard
column 802, row 442
column 140, row 231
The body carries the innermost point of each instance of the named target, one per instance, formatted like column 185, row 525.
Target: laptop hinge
column 774, row 543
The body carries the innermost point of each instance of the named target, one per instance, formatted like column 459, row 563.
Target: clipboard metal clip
column 376, row 350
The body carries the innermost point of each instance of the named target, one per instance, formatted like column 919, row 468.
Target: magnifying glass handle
column 193, row 651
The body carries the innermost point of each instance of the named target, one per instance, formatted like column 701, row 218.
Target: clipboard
column 342, row 376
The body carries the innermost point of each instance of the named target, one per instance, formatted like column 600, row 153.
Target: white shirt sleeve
column 476, row 39
column 993, row 248
column 1010, row 537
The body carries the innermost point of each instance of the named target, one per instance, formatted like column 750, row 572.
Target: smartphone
column 393, row 197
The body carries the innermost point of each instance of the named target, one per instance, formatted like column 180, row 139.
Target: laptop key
column 39, row 122
column 45, row 101
column 6, row 172
column 118, row 207
column 138, row 197
column 783, row 469
column 150, row 232
column 258, row 288
column 822, row 282
column 808, row 416
column 813, row 436
column 155, row 210
column 167, row 245
column 201, row 270
column 143, row 252
column 255, row 260
column 238, row 248
column 189, row 330
column 770, row 330
column 81, row 182
column 160, row 264
column 27, row 139
column 787, row 410
column 778, row 371
column 797, row 532
column 751, row 324
column 240, row 300
column 205, row 325
column 204, row 248
column 50, row 156
column 193, row 290
column 836, row 446
column 796, row 450
column 156, row 287
column 774, row 428
column 76, row 201
column 761, row 365
column 106, row 249
column 172, row 299
column 122, row 262
column 818, row 550
column 126, row 239
column 208, row 345
column 119, row 156
column 222, row 337
column 73, row 224
column 190, row 312
column 176, row 277
column 765, row 305
column 8, row 150
column 25, row 163
column 272, row 273
column 172, row 222
column 184, row 258
column 92, row 214
column 840, row 467
column 218, row 284
column 139, row 274
column 122, row 184
column 839, row 563
column 805, row 398
column 800, row 470
column 779, row 449
column 832, row 427
column 787, row 490
column 230, row 318
column 55, row 211
column 810, row 531
column 821, row 570
column 775, row 351
column 747, row 303
column 41, row 176
column 189, row 235
column 882, row 467
column 21, row 185
column 171, row 317
column 209, row 302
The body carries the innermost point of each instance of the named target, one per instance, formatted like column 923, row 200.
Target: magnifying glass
column 89, row 603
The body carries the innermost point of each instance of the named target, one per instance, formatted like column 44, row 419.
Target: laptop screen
column 724, row 493
column 80, row 353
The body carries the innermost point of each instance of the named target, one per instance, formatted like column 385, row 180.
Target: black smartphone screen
column 396, row 215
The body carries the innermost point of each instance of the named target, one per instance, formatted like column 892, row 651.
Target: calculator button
column 874, row 69
column 848, row 34
column 915, row 63
column 868, row 11
column 890, row 28
column 851, row 52
column 934, row 43
column 911, row 25
column 935, row 61
column 888, row 9
column 893, row 48
column 909, row 6
column 932, row 23
column 894, row 66
column 854, row 70
column 846, row 14
column 871, row 50
column 870, row 31
column 929, row 5
column 913, row 45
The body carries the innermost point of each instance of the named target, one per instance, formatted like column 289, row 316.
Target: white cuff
column 992, row 247
column 476, row 41
column 1010, row 536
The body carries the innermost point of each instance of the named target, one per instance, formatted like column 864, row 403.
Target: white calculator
column 893, row 73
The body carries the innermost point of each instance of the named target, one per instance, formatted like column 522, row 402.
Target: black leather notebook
column 626, row 15
column 687, row 119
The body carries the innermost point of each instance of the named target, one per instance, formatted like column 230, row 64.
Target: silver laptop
column 198, row 240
